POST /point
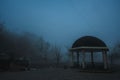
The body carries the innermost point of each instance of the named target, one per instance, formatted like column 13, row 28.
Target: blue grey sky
column 63, row 21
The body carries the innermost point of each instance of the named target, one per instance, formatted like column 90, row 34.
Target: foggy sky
column 61, row 22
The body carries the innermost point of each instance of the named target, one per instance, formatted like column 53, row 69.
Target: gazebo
column 90, row 45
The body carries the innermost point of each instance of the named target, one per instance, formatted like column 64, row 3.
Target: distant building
column 4, row 61
column 7, row 63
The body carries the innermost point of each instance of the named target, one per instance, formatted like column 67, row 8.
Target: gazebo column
column 105, row 60
column 78, row 58
column 83, row 60
column 72, row 58
column 92, row 59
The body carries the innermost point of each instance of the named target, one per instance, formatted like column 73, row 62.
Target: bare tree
column 115, row 55
column 57, row 54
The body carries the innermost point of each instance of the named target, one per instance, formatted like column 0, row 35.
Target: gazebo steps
column 96, row 70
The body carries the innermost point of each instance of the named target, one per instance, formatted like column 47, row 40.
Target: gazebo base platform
column 98, row 68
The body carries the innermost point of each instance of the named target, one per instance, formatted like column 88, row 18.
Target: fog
column 36, row 37
column 61, row 22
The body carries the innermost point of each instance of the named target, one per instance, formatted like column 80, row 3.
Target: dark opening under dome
column 88, row 41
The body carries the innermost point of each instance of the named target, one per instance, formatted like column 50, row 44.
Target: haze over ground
column 61, row 22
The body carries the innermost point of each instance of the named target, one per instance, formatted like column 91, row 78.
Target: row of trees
column 115, row 54
column 36, row 49
column 29, row 46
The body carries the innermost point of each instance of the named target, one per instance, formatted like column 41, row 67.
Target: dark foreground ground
column 58, row 74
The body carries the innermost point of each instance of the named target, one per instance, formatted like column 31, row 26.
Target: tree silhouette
column 28, row 45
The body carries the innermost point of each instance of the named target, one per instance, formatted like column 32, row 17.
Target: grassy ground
column 58, row 74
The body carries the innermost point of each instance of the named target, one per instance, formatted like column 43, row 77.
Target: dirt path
column 57, row 74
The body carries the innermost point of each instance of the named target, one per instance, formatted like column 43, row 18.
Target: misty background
column 61, row 22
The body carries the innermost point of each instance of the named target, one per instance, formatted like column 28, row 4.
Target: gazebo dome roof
column 88, row 41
